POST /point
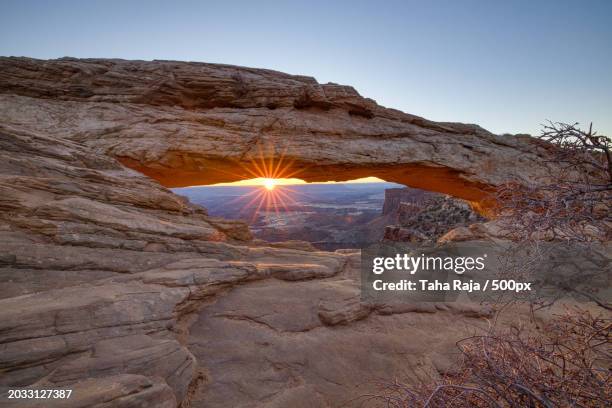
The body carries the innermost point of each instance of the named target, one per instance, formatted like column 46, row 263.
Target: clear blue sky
column 506, row 65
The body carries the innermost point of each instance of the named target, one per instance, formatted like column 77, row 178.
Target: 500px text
column 458, row 285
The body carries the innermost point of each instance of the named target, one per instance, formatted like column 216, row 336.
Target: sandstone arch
column 194, row 123
column 102, row 270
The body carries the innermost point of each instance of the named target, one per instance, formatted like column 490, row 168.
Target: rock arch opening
column 176, row 170
column 333, row 215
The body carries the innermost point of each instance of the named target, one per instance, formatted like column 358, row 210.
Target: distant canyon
column 336, row 216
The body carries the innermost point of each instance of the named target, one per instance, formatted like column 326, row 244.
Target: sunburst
column 269, row 184
column 269, row 170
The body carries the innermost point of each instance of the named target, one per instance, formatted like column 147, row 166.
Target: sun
column 269, row 184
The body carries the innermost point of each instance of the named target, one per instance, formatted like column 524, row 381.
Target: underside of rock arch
column 114, row 287
column 193, row 123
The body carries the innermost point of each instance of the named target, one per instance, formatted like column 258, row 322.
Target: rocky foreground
column 131, row 296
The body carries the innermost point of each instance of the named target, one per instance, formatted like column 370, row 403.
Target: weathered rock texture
column 193, row 123
column 114, row 287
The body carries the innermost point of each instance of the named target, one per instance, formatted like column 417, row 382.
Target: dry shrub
column 568, row 362
column 565, row 365
column 573, row 202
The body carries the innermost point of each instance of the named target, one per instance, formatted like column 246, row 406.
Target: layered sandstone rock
column 100, row 267
column 193, row 123
column 124, row 292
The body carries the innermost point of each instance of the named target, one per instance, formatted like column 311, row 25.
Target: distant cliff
column 395, row 196
column 414, row 215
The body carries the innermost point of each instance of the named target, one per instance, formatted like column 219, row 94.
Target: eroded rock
column 193, row 123
column 114, row 287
